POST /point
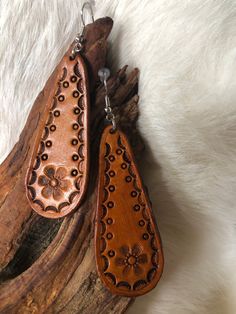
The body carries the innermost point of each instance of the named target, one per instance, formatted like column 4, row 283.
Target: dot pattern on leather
column 63, row 144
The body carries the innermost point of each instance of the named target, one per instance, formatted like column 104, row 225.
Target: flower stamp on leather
column 54, row 182
column 57, row 176
column 131, row 259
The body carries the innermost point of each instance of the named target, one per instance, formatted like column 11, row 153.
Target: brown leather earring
column 129, row 254
column 58, row 172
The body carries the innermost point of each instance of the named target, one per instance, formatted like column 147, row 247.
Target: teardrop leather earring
column 129, row 255
column 58, row 173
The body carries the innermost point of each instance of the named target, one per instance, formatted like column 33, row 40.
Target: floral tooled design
column 53, row 182
column 131, row 258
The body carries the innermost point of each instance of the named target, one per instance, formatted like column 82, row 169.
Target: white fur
column 186, row 51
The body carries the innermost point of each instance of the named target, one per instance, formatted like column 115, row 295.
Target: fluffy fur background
column 186, row 51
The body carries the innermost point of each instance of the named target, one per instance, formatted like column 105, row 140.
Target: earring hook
column 79, row 40
column 82, row 14
column 104, row 74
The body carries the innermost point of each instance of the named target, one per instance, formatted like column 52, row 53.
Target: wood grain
column 48, row 266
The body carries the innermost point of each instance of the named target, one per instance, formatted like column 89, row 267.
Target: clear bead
column 104, row 74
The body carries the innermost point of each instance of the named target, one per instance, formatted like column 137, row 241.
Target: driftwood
column 48, row 266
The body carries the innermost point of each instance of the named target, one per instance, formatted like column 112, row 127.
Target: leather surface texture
column 128, row 247
column 57, row 178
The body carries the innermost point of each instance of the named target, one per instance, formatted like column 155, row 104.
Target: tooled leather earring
column 58, row 173
column 128, row 248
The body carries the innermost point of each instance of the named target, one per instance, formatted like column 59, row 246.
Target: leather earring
column 129, row 253
column 57, row 177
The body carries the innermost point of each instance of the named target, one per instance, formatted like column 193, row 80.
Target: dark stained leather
column 128, row 247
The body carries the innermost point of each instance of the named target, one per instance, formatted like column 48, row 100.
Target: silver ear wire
column 79, row 40
column 104, row 74
column 82, row 12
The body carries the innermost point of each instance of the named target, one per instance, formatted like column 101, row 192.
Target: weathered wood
column 48, row 266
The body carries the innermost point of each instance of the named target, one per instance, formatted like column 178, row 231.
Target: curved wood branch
column 48, row 266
